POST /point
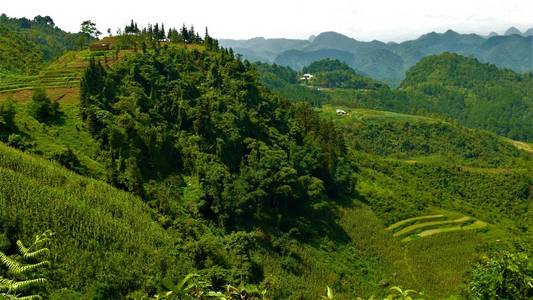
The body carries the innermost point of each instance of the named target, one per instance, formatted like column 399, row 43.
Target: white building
column 306, row 77
column 340, row 112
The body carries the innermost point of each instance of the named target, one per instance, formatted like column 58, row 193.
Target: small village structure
column 306, row 77
column 340, row 112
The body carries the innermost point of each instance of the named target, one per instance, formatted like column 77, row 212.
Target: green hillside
column 477, row 95
column 98, row 229
column 26, row 45
column 453, row 87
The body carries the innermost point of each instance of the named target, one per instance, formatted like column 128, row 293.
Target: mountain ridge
column 389, row 61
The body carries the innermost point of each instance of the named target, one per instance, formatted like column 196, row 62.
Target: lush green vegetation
column 284, row 81
column 332, row 73
column 452, row 87
column 475, row 94
column 218, row 188
column 25, row 45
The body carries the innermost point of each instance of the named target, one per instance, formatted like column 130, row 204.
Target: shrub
column 7, row 119
column 43, row 109
column 505, row 276
column 68, row 159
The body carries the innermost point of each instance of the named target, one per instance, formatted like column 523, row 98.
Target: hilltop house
column 340, row 112
column 99, row 46
column 306, row 77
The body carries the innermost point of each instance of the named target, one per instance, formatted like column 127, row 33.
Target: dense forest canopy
column 202, row 113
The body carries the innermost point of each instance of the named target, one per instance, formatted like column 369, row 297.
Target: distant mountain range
column 389, row 61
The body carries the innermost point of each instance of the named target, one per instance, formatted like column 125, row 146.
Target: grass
column 371, row 255
column 68, row 133
column 442, row 262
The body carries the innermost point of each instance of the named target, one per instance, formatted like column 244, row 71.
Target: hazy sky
column 364, row 20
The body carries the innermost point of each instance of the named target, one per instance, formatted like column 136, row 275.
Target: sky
column 385, row 20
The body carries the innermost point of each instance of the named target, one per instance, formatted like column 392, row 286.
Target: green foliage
column 43, row 109
column 67, row 158
column 25, row 45
column 327, row 65
column 504, row 276
column 191, row 286
column 7, row 119
column 22, row 270
column 101, row 229
column 203, row 114
column 332, row 73
column 477, row 95
column 283, row 81
column 402, row 294
column 89, row 28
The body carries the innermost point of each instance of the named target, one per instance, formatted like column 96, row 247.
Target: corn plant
column 399, row 294
column 241, row 292
column 19, row 268
column 191, row 286
column 329, row 294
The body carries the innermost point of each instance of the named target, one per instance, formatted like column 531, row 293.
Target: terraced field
column 65, row 72
column 424, row 226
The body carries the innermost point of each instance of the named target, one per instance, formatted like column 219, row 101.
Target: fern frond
column 17, row 268
column 32, row 297
column 27, row 254
column 5, row 284
column 43, row 238
column 22, row 285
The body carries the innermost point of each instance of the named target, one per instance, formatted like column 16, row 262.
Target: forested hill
column 26, row 44
column 478, row 95
column 173, row 113
column 388, row 61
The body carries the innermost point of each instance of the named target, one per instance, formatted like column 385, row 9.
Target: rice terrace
column 424, row 226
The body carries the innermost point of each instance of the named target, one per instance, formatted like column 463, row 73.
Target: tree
column 47, row 20
column 42, row 108
column 162, row 32
column 89, row 28
column 7, row 119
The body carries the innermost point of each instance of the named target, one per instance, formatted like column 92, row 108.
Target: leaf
column 180, row 286
column 27, row 254
column 329, row 293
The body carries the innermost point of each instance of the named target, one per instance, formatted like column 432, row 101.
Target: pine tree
column 156, row 32
column 162, row 32
column 185, row 33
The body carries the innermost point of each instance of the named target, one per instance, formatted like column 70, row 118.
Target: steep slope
column 98, row 229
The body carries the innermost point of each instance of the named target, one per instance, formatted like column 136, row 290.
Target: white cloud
column 364, row 20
